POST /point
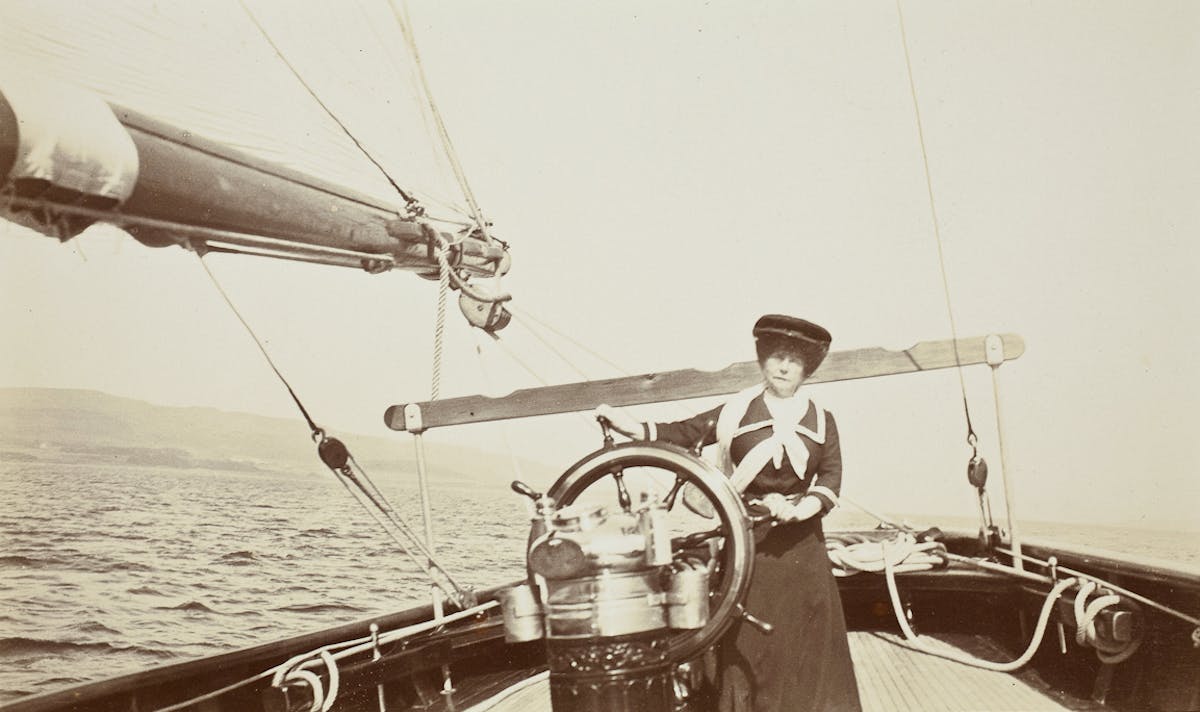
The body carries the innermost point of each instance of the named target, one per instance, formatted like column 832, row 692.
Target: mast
column 194, row 192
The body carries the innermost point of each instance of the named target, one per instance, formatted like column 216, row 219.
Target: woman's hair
column 767, row 347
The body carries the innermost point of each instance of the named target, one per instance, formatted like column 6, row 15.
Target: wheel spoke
column 680, row 481
column 622, row 492
column 695, row 539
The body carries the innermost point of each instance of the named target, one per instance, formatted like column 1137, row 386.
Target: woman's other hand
column 783, row 510
column 776, row 504
column 620, row 422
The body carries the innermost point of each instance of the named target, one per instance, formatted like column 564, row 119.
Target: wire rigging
column 937, row 232
column 414, row 91
column 312, row 426
column 525, row 316
column 405, row 24
column 408, row 199
column 348, row 471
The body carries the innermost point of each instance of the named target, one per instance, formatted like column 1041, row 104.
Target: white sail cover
column 70, row 138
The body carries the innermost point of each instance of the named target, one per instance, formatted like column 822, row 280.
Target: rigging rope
column 524, row 314
column 343, row 465
column 408, row 199
column 312, row 426
column 937, row 232
column 405, row 24
column 439, row 325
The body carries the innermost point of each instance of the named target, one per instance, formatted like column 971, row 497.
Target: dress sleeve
column 687, row 433
column 828, row 484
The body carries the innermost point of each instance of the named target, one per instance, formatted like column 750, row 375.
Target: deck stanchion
column 994, row 350
column 412, row 417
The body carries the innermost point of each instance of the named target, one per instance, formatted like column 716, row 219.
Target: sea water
column 107, row 570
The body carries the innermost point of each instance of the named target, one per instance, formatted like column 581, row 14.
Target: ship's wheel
column 705, row 488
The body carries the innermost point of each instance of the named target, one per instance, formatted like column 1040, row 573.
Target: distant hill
column 67, row 425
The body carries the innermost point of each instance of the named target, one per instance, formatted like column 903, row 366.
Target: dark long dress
column 805, row 664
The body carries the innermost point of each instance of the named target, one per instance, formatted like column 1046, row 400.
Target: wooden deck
column 891, row 678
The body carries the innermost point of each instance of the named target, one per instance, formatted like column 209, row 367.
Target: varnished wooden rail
column 690, row 383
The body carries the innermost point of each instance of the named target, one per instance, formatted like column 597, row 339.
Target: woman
column 782, row 449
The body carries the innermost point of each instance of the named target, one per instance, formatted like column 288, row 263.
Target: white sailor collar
column 786, row 425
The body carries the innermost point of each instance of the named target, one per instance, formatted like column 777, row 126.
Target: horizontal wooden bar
column 690, row 383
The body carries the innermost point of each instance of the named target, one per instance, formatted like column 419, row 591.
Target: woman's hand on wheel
column 619, row 421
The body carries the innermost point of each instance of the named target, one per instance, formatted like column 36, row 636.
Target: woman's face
column 783, row 372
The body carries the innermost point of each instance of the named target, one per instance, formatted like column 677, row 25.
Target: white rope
column 1085, row 613
column 1111, row 652
column 439, row 328
column 920, row 645
column 903, row 555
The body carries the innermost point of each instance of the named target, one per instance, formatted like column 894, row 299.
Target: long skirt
column 805, row 663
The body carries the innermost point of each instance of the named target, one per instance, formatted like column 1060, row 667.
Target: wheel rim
column 737, row 556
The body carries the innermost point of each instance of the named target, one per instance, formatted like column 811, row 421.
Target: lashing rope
column 441, row 251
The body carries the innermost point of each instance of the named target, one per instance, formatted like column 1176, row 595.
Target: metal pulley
column 977, row 471
column 333, row 453
column 491, row 316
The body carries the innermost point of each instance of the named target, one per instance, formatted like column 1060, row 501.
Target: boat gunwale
column 277, row 651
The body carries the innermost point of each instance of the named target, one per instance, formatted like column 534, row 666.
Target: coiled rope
column 1085, row 611
column 1111, row 652
column 851, row 554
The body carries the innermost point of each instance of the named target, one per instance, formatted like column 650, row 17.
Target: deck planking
column 891, row 678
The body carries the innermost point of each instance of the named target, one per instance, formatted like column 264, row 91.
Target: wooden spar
column 690, row 383
column 193, row 190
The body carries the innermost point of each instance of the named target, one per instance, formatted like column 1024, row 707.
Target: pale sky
column 665, row 173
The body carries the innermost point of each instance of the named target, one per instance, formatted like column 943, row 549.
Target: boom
column 67, row 159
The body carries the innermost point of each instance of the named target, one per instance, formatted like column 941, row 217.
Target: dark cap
column 811, row 340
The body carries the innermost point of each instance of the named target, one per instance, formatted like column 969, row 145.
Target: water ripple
column 138, row 565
